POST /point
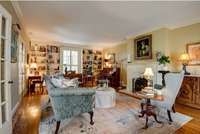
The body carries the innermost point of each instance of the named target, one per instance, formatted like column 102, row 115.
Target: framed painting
column 193, row 49
column 143, row 48
column 14, row 41
column 111, row 58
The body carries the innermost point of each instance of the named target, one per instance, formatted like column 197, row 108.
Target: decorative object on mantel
column 143, row 47
column 129, row 58
column 185, row 58
column 162, row 60
column 193, row 50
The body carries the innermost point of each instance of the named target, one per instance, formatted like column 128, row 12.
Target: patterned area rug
column 122, row 119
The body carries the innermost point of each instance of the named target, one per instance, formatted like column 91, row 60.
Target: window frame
column 70, row 64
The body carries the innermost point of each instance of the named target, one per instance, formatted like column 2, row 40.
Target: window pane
column 3, row 113
column 74, row 57
column 75, row 68
column 3, row 26
column 2, row 70
column 66, row 57
column 3, row 96
column 2, row 48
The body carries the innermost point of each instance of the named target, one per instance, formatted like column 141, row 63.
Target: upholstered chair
column 170, row 91
column 69, row 102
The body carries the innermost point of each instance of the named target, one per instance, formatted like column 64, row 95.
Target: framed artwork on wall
column 193, row 49
column 14, row 40
column 143, row 48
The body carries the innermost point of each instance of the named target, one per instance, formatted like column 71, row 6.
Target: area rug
column 122, row 119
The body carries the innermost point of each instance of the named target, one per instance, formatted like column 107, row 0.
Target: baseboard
column 15, row 108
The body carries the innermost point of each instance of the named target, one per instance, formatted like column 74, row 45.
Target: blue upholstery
column 68, row 102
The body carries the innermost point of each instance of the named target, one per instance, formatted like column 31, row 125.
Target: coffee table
column 105, row 97
column 148, row 110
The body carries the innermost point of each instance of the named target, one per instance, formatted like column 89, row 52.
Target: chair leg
column 91, row 118
column 173, row 109
column 57, row 127
column 169, row 115
column 142, row 106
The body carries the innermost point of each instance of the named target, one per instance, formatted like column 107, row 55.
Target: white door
column 5, row 97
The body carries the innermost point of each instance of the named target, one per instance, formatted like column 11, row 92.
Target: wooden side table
column 148, row 110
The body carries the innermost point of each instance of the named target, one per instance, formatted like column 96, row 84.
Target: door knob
column 10, row 82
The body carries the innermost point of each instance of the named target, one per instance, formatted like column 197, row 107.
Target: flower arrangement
column 162, row 59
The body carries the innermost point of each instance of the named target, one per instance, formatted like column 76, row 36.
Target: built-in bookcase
column 46, row 57
column 92, row 61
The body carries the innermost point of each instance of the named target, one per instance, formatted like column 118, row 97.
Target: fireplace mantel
column 136, row 70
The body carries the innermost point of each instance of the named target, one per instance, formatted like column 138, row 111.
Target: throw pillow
column 57, row 83
column 71, row 82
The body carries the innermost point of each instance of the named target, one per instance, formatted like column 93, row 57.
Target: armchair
column 170, row 92
column 69, row 102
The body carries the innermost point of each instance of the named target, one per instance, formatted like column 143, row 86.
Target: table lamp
column 184, row 58
column 148, row 75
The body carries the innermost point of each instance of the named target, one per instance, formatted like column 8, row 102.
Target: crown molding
column 19, row 14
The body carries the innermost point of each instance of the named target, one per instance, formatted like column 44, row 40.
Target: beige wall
column 170, row 42
column 15, row 66
column 121, row 58
column 179, row 37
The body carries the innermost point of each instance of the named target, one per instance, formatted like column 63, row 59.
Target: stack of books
column 148, row 91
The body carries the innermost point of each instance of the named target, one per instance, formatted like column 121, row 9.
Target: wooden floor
column 28, row 114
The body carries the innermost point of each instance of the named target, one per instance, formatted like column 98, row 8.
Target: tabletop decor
column 163, row 60
column 185, row 58
column 148, row 74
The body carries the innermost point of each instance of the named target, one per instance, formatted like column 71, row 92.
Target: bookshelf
column 47, row 58
column 92, row 61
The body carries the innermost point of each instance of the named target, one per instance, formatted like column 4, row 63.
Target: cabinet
column 189, row 93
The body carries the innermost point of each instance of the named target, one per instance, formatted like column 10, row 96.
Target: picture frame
column 111, row 58
column 14, row 45
column 143, row 48
column 193, row 50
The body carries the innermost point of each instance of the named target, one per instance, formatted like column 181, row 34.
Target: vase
column 163, row 67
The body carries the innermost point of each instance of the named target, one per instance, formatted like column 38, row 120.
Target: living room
column 99, row 67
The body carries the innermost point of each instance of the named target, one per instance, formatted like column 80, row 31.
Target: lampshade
column 148, row 72
column 184, row 58
column 33, row 65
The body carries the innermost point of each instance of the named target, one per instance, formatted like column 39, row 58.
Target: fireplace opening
column 138, row 84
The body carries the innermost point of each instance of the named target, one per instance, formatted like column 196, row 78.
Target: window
column 71, row 60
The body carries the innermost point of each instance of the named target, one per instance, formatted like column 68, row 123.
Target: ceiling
column 102, row 24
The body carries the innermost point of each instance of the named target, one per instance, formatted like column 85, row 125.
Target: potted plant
column 163, row 60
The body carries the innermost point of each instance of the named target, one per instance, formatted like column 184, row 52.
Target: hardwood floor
column 192, row 127
column 28, row 114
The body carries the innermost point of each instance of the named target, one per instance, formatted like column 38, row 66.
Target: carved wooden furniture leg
column 142, row 106
column 169, row 115
column 155, row 117
column 91, row 118
column 57, row 127
column 143, row 112
column 148, row 111
column 146, row 124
